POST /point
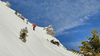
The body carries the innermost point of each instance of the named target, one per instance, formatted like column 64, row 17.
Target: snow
column 37, row 44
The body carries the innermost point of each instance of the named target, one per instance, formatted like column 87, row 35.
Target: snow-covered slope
column 36, row 44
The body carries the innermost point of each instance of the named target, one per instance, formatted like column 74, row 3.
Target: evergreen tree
column 91, row 47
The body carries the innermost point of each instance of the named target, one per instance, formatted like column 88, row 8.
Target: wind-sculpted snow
column 37, row 42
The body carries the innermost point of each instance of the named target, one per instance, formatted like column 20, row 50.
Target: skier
column 34, row 26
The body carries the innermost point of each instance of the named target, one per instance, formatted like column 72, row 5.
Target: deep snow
column 37, row 44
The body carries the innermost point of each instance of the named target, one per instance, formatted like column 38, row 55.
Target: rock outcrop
column 8, row 4
column 50, row 30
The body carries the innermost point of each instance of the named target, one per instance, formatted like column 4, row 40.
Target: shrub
column 27, row 21
column 16, row 12
column 55, row 42
column 21, row 16
column 23, row 34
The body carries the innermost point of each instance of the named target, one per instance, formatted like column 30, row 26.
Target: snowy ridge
column 37, row 44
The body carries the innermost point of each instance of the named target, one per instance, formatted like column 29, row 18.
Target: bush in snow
column 23, row 34
column 27, row 21
column 21, row 16
column 8, row 4
column 55, row 42
column 16, row 12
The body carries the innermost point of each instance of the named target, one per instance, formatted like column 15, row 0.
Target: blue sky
column 71, row 19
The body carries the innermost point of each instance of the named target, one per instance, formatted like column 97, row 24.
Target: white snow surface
column 37, row 44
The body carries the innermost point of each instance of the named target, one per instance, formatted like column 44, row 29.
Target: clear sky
column 71, row 19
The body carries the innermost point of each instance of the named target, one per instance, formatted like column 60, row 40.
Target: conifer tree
column 91, row 47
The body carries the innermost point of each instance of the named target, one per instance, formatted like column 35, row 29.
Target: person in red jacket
column 34, row 26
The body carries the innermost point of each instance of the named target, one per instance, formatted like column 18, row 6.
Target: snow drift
column 37, row 44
